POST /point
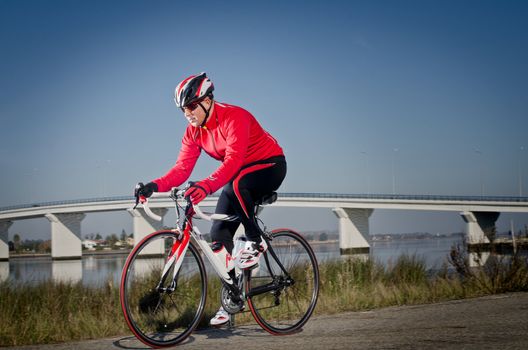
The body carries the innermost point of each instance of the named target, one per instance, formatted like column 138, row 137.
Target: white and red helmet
column 193, row 89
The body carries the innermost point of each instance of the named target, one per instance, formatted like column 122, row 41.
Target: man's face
column 195, row 114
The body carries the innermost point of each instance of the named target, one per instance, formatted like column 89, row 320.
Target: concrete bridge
column 352, row 211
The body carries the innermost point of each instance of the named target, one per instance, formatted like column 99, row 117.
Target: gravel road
column 492, row 322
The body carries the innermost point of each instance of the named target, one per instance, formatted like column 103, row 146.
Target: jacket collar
column 212, row 122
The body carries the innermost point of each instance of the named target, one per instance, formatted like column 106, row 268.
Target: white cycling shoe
column 250, row 254
column 220, row 319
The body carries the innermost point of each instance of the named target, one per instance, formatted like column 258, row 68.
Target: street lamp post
column 479, row 152
column 32, row 176
column 100, row 176
column 367, row 171
column 108, row 161
column 393, row 172
column 520, row 171
column 102, row 170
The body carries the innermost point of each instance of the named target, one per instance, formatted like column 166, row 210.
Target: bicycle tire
column 161, row 319
column 296, row 302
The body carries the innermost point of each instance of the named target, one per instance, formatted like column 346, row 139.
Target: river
column 96, row 270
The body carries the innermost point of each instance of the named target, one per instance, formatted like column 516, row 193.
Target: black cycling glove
column 145, row 190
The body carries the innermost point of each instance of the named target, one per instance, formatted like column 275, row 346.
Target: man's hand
column 142, row 192
column 197, row 192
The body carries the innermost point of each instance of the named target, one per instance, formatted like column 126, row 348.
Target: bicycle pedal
column 231, row 322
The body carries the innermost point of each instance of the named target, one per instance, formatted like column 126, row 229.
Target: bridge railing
column 67, row 202
column 299, row 195
column 409, row 197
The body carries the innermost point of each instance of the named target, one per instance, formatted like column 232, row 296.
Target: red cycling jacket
column 231, row 135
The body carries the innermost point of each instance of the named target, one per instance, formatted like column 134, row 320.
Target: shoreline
column 84, row 253
column 118, row 252
column 501, row 243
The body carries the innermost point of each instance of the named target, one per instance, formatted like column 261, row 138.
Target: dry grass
column 57, row 312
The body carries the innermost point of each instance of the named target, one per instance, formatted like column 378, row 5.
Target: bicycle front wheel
column 162, row 309
column 282, row 299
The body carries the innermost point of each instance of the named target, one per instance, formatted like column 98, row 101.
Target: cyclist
column 253, row 165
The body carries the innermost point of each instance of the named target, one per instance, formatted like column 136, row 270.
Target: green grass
column 58, row 312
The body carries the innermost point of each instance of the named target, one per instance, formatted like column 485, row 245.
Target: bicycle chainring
column 228, row 304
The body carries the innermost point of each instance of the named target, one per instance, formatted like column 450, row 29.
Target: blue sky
column 86, row 93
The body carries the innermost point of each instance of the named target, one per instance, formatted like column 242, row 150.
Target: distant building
column 89, row 244
column 11, row 246
column 101, row 242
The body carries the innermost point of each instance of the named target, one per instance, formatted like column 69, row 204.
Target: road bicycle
column 164, row 281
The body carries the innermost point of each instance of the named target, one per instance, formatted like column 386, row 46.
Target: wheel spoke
column 295, row 302
column 162, row 318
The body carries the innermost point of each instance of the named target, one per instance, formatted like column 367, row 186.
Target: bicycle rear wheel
column 162, row 311
column 289, row 298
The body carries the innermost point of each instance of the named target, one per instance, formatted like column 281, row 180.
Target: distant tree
column 323, row 237
column 123, row 235
column 112, row 239
column 30, row 245
column 493, row 234
column 98, row 236
column 16, row 242
column 44, row 247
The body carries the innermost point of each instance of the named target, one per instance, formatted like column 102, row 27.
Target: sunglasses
column 191, row 107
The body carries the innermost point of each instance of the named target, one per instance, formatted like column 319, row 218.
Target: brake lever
column 139, row 199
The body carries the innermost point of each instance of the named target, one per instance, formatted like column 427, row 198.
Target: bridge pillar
column 4, row 239
column 66, row 243
column 144, row 225
column 480, row 226
column 353, row 230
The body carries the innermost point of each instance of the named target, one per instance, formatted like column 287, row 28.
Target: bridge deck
column 319, row 200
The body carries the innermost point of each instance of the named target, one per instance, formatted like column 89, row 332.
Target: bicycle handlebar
column 179, row 195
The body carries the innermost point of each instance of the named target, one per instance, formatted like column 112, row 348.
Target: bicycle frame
column 188, row 230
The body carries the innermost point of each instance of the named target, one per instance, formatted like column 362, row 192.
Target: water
column 433, row 251
column 92, row 270
column 96, row 270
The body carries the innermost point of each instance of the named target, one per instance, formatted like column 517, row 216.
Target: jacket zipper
column 213, row 142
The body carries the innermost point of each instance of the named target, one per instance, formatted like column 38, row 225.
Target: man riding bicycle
column 253, row 165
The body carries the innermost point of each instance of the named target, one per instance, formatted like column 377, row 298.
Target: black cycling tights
column 238, row 198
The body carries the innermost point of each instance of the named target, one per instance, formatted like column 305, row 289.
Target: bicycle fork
column 178, row 250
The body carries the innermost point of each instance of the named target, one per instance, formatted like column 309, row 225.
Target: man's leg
column 249, row 186
column 223, row 231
